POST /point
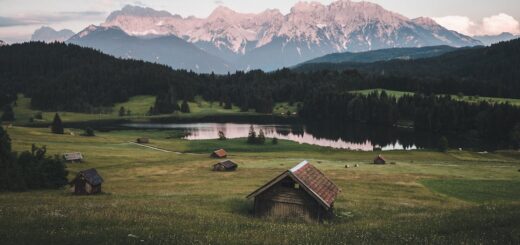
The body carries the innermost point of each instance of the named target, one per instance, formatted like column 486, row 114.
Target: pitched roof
column 91, row 176
column 311, row 179
column 72, row 156
column 220, row 153
column 228, row 164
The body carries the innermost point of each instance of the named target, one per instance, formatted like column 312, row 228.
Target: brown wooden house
column 227, row 165
column 142, row 140
column 73, row 157
column 87, row 182
column 379, row 160
column 221, row 153
column 300, row 192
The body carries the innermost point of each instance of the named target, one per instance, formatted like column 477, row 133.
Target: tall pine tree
column 57, row 125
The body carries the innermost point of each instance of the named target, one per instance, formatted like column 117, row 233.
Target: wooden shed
column 73, row 157
column 227, row 165
column 379, row 160
column 300, row 192
column 221, row 153
column 87, row 182
column 142, row 140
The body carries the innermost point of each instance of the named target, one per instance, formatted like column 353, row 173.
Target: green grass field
column 154, row 197
column 138, row 105
column 471, row 99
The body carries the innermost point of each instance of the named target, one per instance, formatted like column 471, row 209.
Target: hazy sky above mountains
column 19, row 18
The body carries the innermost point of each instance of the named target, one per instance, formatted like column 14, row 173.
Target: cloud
column 6, row 22
column 492, row 25
column 500, row 23
column 42, row 19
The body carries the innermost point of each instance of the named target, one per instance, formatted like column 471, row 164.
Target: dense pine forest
column 65, row 77
column 486, row 71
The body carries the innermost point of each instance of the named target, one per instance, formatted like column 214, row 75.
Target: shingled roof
column 91, row 176
column 228, row 164
column 220, row 153
column 311, row 179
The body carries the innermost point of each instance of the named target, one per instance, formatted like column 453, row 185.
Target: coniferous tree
column 274, row 141
column 261, row 137
column 185, row 107
column 122, row 111
column 57, row 125
column 6, row 158
column 228, row 105
column 8, row 114
column 251, row 138
column 221, row 135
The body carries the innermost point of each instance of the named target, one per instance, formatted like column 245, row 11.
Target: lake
column 353, row 137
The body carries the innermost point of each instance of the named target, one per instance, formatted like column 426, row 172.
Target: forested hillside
column 490, row 71
column 69, row 78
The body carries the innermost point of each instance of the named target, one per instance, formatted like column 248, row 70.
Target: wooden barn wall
column 282, row 201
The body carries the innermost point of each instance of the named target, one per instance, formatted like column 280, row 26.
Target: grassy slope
column 472, row 99
column 175, row 198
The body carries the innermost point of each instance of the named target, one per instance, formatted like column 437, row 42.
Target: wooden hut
column 300, row 192
column 73, row 157
column 87, row 182
column 227, row 165
column 142, row 140
column 379, row 160
column 221, row 153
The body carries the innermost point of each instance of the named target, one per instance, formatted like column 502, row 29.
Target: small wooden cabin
column 300, row 192
column 227, row 165
column 142, row 140
column 73, row 157
column 221, row 153
column 379, row 160
column 87, row 182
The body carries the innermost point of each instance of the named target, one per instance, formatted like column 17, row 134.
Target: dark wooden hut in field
column 142, row 140
column 379, row 160
column 221, row 153
column 73, row 157
column 300, row 192
column 227, row 165
column 87, row 182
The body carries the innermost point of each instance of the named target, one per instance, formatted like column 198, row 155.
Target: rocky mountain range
column 492, row 39
column 48, row 34
column 272, row 40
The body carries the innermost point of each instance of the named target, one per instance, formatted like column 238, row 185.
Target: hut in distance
column 379, row 160
column 87, row 182
column 74, row 157
column 226, row 165
column 142, row 140
column 221, row 153
column 302, row 192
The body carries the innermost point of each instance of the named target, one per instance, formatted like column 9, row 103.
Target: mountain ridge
column 168, row 50
column 308, row 31
column 48, row 34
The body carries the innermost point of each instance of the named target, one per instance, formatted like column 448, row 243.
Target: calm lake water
column 354, row 137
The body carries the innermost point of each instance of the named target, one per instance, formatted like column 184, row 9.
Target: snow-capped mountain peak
column 309, row 30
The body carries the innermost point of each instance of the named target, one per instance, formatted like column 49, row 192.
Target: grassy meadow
column 155, row 197
column 470, row 99
column 138, row 105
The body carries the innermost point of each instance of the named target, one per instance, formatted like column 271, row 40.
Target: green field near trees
column 156, row 197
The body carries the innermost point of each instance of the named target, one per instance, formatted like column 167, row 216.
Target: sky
column 19, row 18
